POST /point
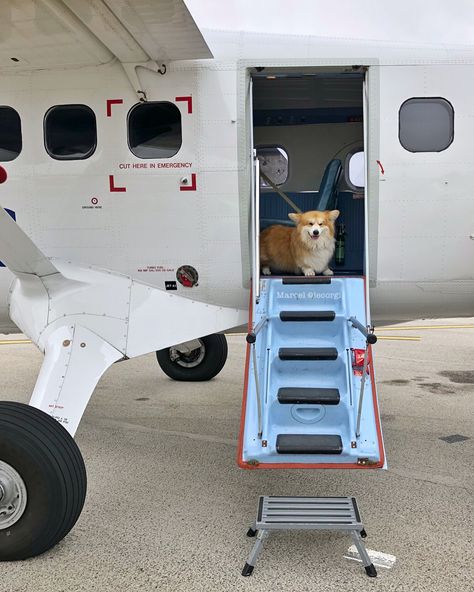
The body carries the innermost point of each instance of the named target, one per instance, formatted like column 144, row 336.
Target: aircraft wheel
column 202, row 363
column 42, row 481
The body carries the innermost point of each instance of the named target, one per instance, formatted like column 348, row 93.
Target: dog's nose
column 315, row 232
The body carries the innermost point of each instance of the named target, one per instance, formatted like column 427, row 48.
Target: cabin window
column 154, row 130
column 10, row 134
column 355, row 169
column 70, row 132
column 426, row 124
column 274, row 164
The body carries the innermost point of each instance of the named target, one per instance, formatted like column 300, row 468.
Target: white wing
column 165, row 28
column 59, row 33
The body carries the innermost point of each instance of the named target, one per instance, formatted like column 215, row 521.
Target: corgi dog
column 308, row 248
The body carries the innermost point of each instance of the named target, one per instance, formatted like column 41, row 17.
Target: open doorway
column 308, row 135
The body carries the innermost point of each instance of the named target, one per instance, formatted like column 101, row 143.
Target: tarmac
column 168, row 508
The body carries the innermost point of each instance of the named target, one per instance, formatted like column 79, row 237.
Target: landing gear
column 42, row 482
column 200, row 359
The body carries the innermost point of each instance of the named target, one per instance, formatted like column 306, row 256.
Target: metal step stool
column 308, row 513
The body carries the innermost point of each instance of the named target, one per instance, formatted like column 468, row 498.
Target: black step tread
column 308, row 444
column 307, row 315
column 307, row 279
column 311, row 396
column 307, row 353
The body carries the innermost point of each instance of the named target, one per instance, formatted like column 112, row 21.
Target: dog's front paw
column 328, row 272
column 308, row 271
column 266, row 271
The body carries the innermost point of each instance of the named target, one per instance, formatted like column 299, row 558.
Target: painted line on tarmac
column 378, row 559
column 423, row 327
column 398, row 338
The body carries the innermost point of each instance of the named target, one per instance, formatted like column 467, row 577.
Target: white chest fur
column 317, row 258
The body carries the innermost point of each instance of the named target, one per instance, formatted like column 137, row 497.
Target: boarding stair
column 337, row 514
column 309, row 396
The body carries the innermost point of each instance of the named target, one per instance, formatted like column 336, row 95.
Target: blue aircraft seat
column 325, row 199
column 328, row 187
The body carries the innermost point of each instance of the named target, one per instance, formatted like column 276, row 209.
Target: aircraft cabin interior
column 309, row 139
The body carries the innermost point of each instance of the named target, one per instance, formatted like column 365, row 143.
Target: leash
column 280, row 193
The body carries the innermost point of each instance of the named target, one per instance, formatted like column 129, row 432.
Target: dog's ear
column 294, row 217
column 333, row 215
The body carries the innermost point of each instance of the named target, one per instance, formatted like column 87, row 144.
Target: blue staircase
column 302, row 398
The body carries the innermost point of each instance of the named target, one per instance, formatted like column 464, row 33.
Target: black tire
column 215, row 356
column 51, row 466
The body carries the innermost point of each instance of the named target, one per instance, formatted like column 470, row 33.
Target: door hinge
column 366, row 462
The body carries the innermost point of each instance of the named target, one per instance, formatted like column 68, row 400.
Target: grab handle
column 367, row 332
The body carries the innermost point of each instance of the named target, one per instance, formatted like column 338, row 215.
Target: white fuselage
column 420, row 205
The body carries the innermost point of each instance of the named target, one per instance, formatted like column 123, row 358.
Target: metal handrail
column 370, row 339
column 252, row 335
column 251, row 339
column 361, row 394
column 257, row 390
column 367, row 332
column 255, row 216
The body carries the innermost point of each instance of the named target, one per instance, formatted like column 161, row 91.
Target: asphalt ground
column 168, row 508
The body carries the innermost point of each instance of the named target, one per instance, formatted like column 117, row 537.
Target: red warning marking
column 358, row 361
column 3, row 175
column 111, row 102
column 187, row 283
column 112, row 185
column 381, row 167
column 191, row 187
column 189, row 101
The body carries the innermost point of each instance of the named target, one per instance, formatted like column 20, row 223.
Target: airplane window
column 426, row 124
column 274, row 163
column 355, row 169
column 154, row 130
column 10, row 134
column 70, row 132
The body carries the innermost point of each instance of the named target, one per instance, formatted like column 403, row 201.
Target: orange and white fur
column 307, row 249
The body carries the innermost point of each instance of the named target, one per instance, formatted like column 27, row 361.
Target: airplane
column 139, row 161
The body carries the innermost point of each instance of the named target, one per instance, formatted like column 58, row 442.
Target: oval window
column 154, row 130
column 355, row 170
column 274, row 164
column 426, row 124
column 70, row 132
column 10, row 134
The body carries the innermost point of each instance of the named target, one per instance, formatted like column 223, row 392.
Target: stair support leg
column 366, row 561
column 255, row 552
column 252, row 531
